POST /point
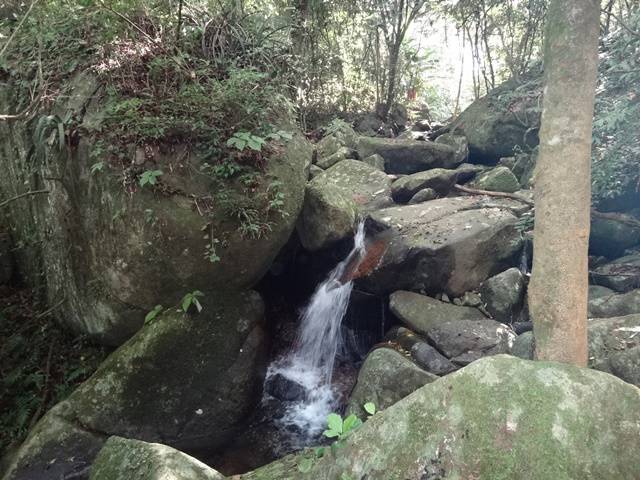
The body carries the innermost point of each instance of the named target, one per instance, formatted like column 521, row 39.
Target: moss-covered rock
column 188, row 381
column 499, row 179
column 335, row 198
column 124, row 459
column 110, row 249
column 386, row 376
column 498, row 418
column 408, row 156
column 438, row 179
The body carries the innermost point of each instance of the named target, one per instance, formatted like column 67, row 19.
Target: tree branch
column 512, row 196
column 25, row 194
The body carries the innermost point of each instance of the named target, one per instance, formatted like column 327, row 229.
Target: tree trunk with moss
column 559, row 288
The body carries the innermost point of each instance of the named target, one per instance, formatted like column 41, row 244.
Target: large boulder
column 335, row 198
column 438, row 179
column 503, row 295
column 385, row 377
column 505, row 118
column 343, row 153
column 500, row 417
column 408, row 156
column 614, row 305
column 125, row 459
column 458, row 142
column 621, row 275
column 421, row 313
column 111, row 250
column 340, row 134
column 450, row 244
column 188, row 381
column 612, row 234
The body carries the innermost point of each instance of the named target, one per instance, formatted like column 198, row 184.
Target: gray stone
column 343, row 153
column 503, row 295
column 621, row 275
column 424, row 195
column 495, row 419
column 314, row 171
column 386, row 377
column 458, row 143
column 449, row 244
column 499, row 179
column 615, row 305
column 421, row 313
column 187, row 380
column 124, row 459
column 438, row 179
column 613, row 346
column 407, row 156
column 467, row 172
column 523, row 346
column 612, row 235
column 336, row 197
column 376, row 161
column 480, row 337
column 423, row 354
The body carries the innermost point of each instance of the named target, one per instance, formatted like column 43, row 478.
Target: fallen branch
column 25, row 194
column 512, row 196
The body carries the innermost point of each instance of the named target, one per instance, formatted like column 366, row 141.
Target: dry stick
column 25, row 194
column 474, row 191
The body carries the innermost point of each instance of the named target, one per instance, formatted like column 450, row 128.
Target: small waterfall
column 312, row 360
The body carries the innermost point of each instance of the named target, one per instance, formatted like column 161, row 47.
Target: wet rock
column 621, row 275
column 438, row 179
column 467, row 172
column 424, row 195
column 125, row 459
column 448, row 244
column 284, row 388
column 499, row 179
column 458, row 143
column 497, row 418
column 615, row 305
column 188, row 381
column 431, row 360
column 386, row 376
column 343, row 153
column 523, row 346
column 503, row 295
column 335, row 198
column 421, row 313
column 476, row 337
column 612, row 235
column 376, row 161
column 406, row 156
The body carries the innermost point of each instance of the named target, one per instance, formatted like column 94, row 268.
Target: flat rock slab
column 477, row 338
column 409, row 156
column 421, row 313
column 450, row 244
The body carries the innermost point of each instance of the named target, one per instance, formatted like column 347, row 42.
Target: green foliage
column 153, row 313
column 242, row 140
column 370, row 408
column 97, row 167
column 191, row 300
column 149, row 177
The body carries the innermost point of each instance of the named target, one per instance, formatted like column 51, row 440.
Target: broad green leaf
column 334, row 421
column 153, row 313
column 331, row 433
column 305, row 465
column 350, row 423
column 370, row 408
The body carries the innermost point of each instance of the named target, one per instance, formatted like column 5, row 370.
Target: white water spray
column 311, row 363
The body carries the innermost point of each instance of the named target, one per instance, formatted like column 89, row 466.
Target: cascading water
column 311, row 362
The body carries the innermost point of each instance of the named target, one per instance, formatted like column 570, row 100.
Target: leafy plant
column 153, row 313
column 191, row 299
column 241, row 140
column 149, row 177
column 370, row 408
column 340, row 428
column 97, row 167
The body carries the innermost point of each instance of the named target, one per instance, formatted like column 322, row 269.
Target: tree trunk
column 394, row 56
column 559, row 286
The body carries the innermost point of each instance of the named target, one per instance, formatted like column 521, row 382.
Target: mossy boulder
column 499, row 179
column 111, row 249
column 438, row 179
column 334, row 199
column 409, row 156
column 187, row 381
column 125, row 459
column 386, row 376
column 499, row 418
